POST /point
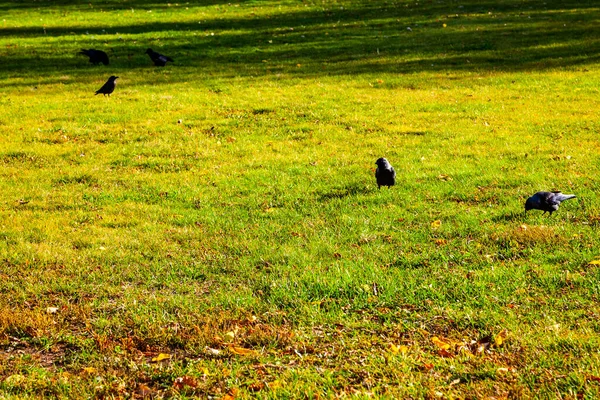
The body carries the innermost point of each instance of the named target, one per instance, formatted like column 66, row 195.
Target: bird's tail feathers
column 563, row 197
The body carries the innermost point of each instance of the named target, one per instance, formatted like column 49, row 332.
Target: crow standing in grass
column 385, row 174
column 96, row 56
column 108, row 87
column 546, row 201
column 158, row 59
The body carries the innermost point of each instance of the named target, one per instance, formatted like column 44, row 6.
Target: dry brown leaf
column 426, row 367
column 144, row 390
column 256, row 387
column 183, row 381
column 445, row 353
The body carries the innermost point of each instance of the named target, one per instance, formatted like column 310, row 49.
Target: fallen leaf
column 593, row 378
column 398, row 349
column 445, row 353
column 500, row 338
column 229, row 336
column 161, row 357
column 90, row 370
column 440, row 242
column 594, row 262
column 144, row 390
column 52, row 310
column 14, row 380
column 241, row 351
column 256, row 387
column 440, row 343
column 183, row 381
column 426, row 367
column 276, row 384
column 436, row 224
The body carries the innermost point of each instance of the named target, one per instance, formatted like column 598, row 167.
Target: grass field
column 214, row 228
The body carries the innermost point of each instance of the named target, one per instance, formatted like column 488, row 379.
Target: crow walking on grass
column 96, row 56
column 385, row 174
column 546, row 201
column 158, row 59
column 108, row 87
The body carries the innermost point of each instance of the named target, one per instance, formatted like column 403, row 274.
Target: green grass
column 227, row 202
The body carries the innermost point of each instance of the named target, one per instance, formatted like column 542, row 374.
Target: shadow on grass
column 349, row 190
column 362, row 37
column 510, row 217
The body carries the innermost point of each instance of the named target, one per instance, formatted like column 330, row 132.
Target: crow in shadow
column 158, row 59
column 108, row 87
column 385, row 174
column 96, row 56
column 546, row 201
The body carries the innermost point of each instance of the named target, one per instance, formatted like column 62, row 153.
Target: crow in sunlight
column 385, row 174
column 108, row 87
column 158, row 59
column 546, row 201
column 96, row 56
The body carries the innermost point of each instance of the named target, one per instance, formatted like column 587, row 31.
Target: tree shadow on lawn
column 364, row 38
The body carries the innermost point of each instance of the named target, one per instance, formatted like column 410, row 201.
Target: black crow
column 546, row 201
column 158, row 59
column 385, row 174
column 108, row 87
column 96, row 56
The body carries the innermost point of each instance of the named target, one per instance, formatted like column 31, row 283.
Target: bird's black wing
column 551, row 199
column 105, row 88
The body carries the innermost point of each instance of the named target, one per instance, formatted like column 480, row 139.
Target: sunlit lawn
column 213, row 228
